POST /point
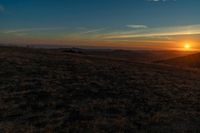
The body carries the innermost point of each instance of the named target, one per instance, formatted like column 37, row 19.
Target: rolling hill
column 45, row 90
column 190, row 61
column 131, row 55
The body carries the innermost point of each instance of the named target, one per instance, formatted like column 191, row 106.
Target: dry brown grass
column 53, row 91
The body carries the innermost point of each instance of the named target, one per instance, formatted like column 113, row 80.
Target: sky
column 143, row 24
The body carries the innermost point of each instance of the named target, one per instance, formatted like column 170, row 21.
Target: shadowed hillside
column 131, row 55
column 192, row 61
column 53, row 91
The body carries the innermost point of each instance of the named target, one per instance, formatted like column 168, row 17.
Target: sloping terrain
column 191, row 61
column 53, row 91
column 132, row 55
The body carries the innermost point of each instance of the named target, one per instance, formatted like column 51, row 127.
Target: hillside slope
column 192, row 61
column 131, row 55
column 51, row 91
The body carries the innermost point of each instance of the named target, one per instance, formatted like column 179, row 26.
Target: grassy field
column 55, row 91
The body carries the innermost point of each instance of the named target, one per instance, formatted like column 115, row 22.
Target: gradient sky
column 145, row 24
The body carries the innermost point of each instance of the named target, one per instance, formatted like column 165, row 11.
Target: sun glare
column 187, row 46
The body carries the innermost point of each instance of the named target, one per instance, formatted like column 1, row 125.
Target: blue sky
column 100, row 22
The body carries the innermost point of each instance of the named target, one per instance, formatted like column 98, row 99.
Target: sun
column 187, row 46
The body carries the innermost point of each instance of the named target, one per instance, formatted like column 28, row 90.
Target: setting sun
column 187, row 46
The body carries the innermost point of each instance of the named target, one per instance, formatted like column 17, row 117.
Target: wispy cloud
column 62, row 30
column 160, row 0
column 137, row 26
column 31, row 30
column 155, row 32
column 125, row 35
column 92, row 31
column 84, row 33
column 2, row 9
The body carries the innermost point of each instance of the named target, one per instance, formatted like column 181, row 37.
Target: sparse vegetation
column 190, row 61
column 54, row 91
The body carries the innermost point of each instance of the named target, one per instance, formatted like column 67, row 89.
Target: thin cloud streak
column 137, row 26
column 161, row 0
column 92, row 31
column 156, row 32
column 146, row 35
column 31, row 30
